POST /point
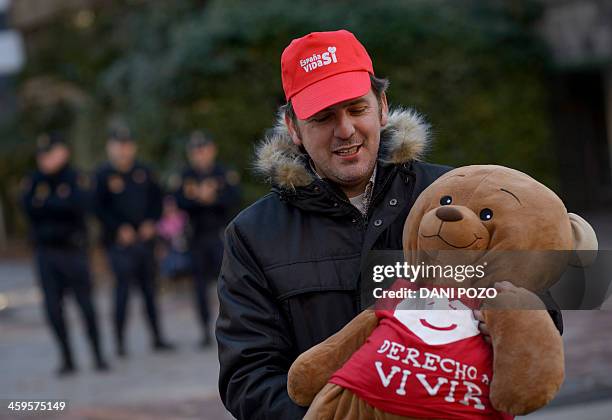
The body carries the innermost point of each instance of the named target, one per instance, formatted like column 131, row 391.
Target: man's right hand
column 126, row 235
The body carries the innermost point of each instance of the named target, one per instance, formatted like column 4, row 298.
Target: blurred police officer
column 208, row 193
column 128, row 203
column 56, row 199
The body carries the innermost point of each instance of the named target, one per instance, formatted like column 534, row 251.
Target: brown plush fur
column 526, row 216
column 328, row 357
column 528, row 350
column 528, row 360
column 337, row 403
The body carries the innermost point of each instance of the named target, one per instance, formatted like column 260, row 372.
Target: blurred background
column 522, row 83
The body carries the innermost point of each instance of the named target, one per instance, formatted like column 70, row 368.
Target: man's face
column 121, row 153
column 343, row 140
column 53, row 160
column 203, row 157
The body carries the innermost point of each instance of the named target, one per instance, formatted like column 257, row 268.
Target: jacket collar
column 282, row 164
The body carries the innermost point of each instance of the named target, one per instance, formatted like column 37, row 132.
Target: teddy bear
column 404, row 360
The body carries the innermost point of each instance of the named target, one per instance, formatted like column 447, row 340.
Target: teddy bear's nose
column 449, row 214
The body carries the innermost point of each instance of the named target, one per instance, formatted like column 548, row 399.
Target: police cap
column 47, row 141
column 120, row 134
column 199, row 138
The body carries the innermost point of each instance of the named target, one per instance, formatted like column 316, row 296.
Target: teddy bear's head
column 485, row 211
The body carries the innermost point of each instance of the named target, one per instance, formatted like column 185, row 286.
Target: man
column 208, row 193
column 345, row 173
column 128, row 203
column 55, row 200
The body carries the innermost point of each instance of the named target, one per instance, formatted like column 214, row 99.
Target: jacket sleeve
column 102, row 199
column 33, row 213
column 227, row 199
column 182, row 201
column 553, row 309
column 254, row 339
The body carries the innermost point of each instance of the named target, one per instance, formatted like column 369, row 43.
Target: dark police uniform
column 207, row 222
column 56, row 206
column 131, row 198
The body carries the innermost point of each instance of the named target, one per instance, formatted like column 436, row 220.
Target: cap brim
column 121, row 139
column 41, row 150
column 330, row 91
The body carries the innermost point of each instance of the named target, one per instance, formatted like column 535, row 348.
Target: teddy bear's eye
column 446, row 200
column 486, row 214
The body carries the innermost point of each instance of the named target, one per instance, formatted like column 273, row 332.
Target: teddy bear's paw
column 513, row 297
column 520, row 402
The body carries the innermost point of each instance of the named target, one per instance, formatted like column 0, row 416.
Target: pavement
column 596, row 410
column 183, row 385
column 147, row 385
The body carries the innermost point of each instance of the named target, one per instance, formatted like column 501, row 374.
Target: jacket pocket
column 317, row 297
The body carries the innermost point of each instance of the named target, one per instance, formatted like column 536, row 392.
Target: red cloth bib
column 428, row 364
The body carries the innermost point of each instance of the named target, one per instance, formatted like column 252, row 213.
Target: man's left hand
column 482, row 326
column 514, row 298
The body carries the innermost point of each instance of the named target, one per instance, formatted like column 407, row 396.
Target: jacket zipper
column 347, row 204
column 373, row 202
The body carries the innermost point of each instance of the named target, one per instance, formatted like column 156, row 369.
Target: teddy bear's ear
column 585, row 242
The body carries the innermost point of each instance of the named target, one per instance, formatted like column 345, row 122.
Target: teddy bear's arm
column 313, row 368
column 528, row 366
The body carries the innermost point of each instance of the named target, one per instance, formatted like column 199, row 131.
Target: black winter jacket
column 210, row 218
column 290, row 276
column 56, row 206
column 126, row 198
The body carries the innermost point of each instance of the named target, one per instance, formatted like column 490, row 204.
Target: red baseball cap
column 324, row 68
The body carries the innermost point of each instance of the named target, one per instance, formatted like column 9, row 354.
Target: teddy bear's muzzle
column 452, row 228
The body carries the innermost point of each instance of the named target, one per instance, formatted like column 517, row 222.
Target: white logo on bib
column 445, row 322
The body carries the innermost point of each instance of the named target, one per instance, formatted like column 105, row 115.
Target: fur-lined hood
column 404, row 138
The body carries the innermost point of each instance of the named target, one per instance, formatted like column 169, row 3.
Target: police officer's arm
column 253, row 338
column 86, row 193
column 102, row 199
column 34, row 212
column 182, row 201
column 229, row 197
